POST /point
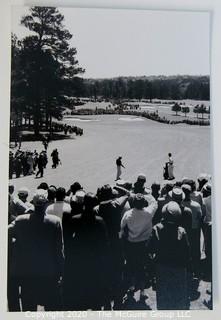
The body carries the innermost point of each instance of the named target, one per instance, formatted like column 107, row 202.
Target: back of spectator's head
column 90, row 201
column 40, row 198
column 43, row 186
column 202, row 179
column 11, row 189
column 206, row 190
column 75, row 187
column 187, row 190
column 177, row 194
column 178, row 183
column 155, row 187
column 190, row 182
column 23, row 193
column 141, row 178
column 171, row 212
column 52, row 193
column 139, row 201
column 167, row 188
column 106, row 193
column 60, row 194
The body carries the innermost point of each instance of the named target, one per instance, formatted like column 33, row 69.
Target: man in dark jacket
column 37, row 260
column 41, row 164
column 110, row 209
column 86, row 244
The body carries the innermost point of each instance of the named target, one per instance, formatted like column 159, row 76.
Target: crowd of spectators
column 67, row 129
column 26, row 162
column 76, row 250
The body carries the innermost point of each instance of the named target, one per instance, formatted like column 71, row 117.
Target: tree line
column 175, row 88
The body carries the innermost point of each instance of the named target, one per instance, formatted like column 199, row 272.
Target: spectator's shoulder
column 52, row 219
column 128, row 214
column 99, row 220
column 50, row 207
column 67, row 207
column 22, row 217
column 196, row 204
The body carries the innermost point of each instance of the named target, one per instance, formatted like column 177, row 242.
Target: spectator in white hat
column 177, row 195
column 16, row 204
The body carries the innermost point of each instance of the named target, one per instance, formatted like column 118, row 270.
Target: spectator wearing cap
column 169, row 244
column 195, row 195
column 86, row 248
column 136, row 227
column 16, row 205
column 23, row 194
column 162, row 200
column 110, row 209
column 76, row 186
column 77, row 202
column 177, row 195
column 59, row 207
column 39, row 256
column 195, row 232
column 51, row 195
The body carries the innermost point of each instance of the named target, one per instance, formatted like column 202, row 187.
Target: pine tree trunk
column 36, row 121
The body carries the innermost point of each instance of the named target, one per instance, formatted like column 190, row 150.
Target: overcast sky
column 113, row 42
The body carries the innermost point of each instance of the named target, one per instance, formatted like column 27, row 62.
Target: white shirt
column 139, row 222
column 58, row 208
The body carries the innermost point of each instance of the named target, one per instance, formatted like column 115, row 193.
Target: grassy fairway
column 143, row 144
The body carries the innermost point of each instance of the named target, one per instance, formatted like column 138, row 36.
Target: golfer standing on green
column 119, row 165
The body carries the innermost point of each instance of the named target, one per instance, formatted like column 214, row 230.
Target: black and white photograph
column 110, row 160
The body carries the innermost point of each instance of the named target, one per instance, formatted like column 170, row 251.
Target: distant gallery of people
column 76, row 250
